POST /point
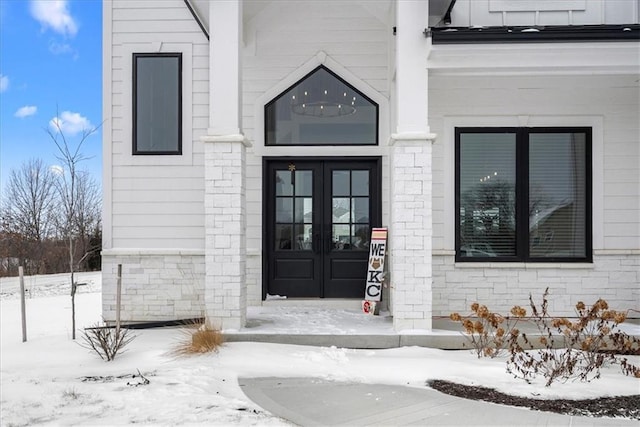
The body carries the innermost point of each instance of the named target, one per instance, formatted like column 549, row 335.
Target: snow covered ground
column 43, row 380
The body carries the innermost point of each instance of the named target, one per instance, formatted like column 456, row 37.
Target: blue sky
column 50, row 66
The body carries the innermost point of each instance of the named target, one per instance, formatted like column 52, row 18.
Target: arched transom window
column 321, row 109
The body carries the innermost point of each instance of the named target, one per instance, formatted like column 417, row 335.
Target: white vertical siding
column 156, row 201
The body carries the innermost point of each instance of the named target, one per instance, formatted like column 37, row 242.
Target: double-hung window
column 523, row 194
column 157, row 103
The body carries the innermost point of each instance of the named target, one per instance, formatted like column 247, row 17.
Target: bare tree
column 71, row 183
column 87, row 216
column 26, row 212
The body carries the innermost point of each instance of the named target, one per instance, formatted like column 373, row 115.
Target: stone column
column 225, row 224
column 225, row 146
column 411, row 227
column 411, row 232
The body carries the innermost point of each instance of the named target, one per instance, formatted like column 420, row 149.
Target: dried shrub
column 490, row 333
column 106, row 341
column 198, row 337
column 573, row 349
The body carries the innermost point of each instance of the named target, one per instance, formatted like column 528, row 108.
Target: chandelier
column 323, row 103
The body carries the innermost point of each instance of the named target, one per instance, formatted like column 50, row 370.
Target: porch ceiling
column 252, row 8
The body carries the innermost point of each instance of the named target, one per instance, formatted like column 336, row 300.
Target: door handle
column 316, row 243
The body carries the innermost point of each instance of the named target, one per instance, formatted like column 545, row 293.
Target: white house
column 251, row 145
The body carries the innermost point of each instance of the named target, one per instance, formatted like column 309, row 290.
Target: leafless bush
column 490, row 333
column 106, row 341
column 573, row 349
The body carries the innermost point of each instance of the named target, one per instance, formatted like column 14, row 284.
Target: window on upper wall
column 321, row 109
column 523, row 194
column 157, row 103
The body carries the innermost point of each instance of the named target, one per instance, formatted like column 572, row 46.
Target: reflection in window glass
column 304, row 183
column 361, row 236
column 544, row 215
column 304, row 209
column 340, row 183
column 341, row 211
column 360, row 209
column 360, row 183
column 284, row 209
column 157, row 93
column 352, row 210
column 321, row 109
column 487, row 194
column 284, row 187
column 341, row 237
column 283, row 237
column 557, row 195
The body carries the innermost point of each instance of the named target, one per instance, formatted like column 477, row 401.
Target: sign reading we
column 375, row 270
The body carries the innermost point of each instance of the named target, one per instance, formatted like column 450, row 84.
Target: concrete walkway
column 318, row 402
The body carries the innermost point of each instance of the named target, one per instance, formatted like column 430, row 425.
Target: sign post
column 375, row 271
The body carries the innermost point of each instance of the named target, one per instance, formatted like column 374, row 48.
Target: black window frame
column 134, row 141
column 267, row 123
column 522, row 194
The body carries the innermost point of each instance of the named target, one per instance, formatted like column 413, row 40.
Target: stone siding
column 155, row 287
column 613, row 277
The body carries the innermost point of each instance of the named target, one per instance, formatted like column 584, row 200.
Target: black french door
column 318, row 220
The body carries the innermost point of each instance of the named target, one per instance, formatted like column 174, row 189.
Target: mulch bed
column 614, row 407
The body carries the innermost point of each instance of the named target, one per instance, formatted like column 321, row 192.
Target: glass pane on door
column 293, row 210
column 351, row 208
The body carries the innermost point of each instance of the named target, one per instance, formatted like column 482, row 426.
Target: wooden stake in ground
column 118, row 297
column 22, row 304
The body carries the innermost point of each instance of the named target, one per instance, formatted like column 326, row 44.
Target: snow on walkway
column 42, row 380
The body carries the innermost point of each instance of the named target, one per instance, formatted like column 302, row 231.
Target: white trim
column 107, row 129
column 412, row 136
column 186, row 158
column 526, row 265
column 535, row 59
column 321, row 58
column 237, row 137
column 607, row 252
column 596, row 123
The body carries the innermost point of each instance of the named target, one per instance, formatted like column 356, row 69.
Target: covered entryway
column 318, row 218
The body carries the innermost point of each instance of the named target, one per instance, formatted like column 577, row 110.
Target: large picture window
column 523, row 194
column 157, row 103
column 321, row 109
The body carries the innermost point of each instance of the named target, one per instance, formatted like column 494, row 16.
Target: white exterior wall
column 469, row 13
column 153, row 204
column 607, row 103
column 282, row 44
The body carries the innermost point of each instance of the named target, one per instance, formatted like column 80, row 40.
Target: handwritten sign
column 375, row 270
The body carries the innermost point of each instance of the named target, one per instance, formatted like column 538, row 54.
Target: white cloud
column 60, row 48
column 4, row 82
column 56, row 169
column 70, row 123
column 26, row 111
column 54, row 14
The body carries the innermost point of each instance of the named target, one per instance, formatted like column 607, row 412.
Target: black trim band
column 535, row 34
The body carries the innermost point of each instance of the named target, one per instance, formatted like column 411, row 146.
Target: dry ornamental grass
column 198, row 338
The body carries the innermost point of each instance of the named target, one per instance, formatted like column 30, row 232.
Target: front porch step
column 447, row 342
